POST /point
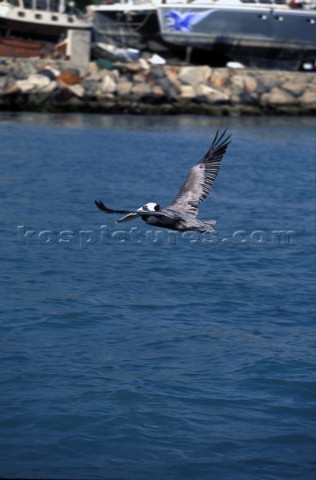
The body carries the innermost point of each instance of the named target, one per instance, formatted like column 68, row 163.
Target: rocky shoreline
column 141, row 88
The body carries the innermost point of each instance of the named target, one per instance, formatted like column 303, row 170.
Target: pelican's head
column 148, row 207
column 152, row 207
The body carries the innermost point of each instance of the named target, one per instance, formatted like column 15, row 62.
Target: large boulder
column 206, row 94
column 37, row 83
column 277, row 97
column 194, row 75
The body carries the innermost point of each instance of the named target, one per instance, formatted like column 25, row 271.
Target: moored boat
column 259, row 33
column 28, row 27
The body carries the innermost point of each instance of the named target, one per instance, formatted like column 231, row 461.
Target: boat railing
column 57, row 6
column 290, row 3
column 306, row 4
column 129, row 3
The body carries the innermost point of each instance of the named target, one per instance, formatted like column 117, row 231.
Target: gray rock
column 124, row 88
column 194, row 75
column 219, row 78
column 293, row 87
column 308, row 99
column 172, row 74
column 22, row 69
column 157, row 92
column 7, row 85
column 77, row 90
column 269, row 80
column 25, row 86
column 91, row 87
column 170, row 90
column 108, row 84
column 156, row 72
column 237, row 83
column 277, row 97
column 141, row 90
column 207, row 94
column 187, row 91
column 250, row 84
column 40, row 82
column 4, row 70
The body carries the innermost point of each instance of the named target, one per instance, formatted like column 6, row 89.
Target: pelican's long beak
column 131, row 216
column 128, row 217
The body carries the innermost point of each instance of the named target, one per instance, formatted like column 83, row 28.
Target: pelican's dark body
column 175, row 220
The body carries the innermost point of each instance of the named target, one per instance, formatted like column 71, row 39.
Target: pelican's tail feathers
column 208, row 226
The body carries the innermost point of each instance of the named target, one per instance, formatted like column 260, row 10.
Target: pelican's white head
column 148, row 207
column 152, row 207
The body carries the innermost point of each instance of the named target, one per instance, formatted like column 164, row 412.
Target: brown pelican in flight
column 181, row 214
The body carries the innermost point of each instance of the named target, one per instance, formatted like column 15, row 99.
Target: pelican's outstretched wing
column 105, row 209
column 202, row 176
column 128, row 214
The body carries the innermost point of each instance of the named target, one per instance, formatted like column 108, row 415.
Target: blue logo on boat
column 185, row 22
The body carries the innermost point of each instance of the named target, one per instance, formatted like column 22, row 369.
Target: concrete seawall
column 140, row 88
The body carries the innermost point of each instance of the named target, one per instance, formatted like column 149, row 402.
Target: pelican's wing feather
column 202, row 176
column 105, row 209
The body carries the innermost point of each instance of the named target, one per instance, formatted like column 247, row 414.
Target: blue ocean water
column 130, row 353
